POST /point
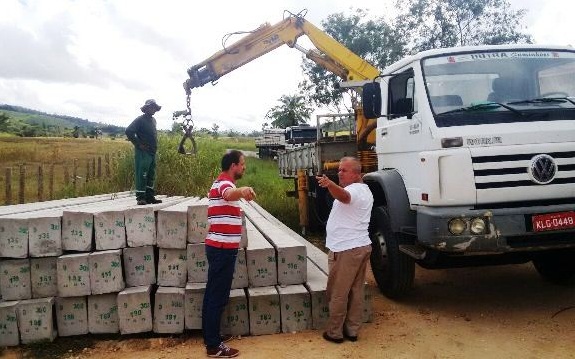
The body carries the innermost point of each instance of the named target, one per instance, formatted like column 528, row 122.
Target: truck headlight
column 478, row 226
column 457, row 226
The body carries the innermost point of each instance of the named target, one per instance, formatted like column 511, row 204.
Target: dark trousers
column 145, row 169
column 221, row 265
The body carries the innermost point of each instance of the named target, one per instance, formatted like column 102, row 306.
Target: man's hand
column 324, row 181
column 247, row 193
column 143, row 146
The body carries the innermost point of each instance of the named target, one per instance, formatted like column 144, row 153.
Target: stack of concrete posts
column 90, row 274
column 32, row 233
column 286, row 305
column 88, row 279
column 135, row 311
column 172, row 238
column 100, row 265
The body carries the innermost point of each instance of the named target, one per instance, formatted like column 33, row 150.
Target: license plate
column 553, row 221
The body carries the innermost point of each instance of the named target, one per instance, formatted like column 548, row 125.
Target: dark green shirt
column 143, row 131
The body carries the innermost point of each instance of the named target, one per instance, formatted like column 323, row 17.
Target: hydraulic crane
column 329, row 54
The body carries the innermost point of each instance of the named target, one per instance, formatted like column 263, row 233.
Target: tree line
column 24, row 122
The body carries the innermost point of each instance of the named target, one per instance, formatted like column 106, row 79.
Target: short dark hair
column 232, row 157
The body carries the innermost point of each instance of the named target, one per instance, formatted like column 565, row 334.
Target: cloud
column 100, row 59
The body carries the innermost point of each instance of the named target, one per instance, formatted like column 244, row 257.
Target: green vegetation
column 23, row 122
column 177, row 175
column 60, row 155
column 193, row 175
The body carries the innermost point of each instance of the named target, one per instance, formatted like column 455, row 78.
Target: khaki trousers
column 345, row 290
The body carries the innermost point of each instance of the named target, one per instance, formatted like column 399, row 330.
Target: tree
column 176, row 128
column 4, row 121
column 374, row 40
column 215, row 128
column 76, row 133
column 292, row 111
column 446, row 23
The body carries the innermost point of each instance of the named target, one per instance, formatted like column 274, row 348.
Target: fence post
column 99, row 167
column 51, row 182
column 107, row 160
column 40, row 183
column 88, row 171
column 93, row 168
column 75, row 174
column 66, row 175
column 22, row 188
column 9, row 185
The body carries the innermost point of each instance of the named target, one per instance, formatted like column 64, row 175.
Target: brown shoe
column 222, row 351
column 333, row 340
column 351, row 338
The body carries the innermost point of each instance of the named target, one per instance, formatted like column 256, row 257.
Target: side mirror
column 371, row 99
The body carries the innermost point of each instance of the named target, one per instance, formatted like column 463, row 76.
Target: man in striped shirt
column 222, row 243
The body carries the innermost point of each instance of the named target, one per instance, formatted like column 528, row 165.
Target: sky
column 101, row 59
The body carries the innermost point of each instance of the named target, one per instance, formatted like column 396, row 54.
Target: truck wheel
column 393, row 270
column 556, row 266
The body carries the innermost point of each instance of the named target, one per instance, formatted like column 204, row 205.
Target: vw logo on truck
column 542, row 169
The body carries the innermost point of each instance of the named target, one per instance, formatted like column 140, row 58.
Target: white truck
column 476, row 162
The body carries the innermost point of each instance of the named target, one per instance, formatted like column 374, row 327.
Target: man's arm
column 334, row 189
column 131, row 132
column 234, row 194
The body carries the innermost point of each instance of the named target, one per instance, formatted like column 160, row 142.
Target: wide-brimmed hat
column 151, row 103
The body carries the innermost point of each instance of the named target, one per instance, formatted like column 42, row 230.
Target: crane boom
column 329, row 53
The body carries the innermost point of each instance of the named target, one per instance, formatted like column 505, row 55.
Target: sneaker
column 142, row 202
column 222, row 351
column 333, row 340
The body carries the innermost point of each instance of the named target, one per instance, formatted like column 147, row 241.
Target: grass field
column 58, row 155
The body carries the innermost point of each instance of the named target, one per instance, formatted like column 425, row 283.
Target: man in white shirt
column 349, row 250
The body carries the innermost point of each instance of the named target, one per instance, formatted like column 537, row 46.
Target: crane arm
column 329, row 53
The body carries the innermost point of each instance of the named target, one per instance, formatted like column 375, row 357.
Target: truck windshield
column 501, row 86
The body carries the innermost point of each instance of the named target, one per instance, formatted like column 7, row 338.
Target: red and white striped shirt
column 224, row 216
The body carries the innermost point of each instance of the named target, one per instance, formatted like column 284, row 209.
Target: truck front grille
column 508, row 171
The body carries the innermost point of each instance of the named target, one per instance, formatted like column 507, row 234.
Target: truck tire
column 556, row 266
column 393, row 270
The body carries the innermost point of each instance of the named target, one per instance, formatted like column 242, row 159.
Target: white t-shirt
column 347, row 223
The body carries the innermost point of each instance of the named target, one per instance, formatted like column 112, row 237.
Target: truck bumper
column 509, row 230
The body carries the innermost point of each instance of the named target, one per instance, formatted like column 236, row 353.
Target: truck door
column 402, row 129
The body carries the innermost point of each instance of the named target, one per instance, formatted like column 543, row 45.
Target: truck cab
column 476, row 161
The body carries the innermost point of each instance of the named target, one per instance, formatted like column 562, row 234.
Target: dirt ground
column 492, row 312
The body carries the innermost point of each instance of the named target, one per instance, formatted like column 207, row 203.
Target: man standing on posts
column 347, row 239
column 142, row 133
column 222, row 243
